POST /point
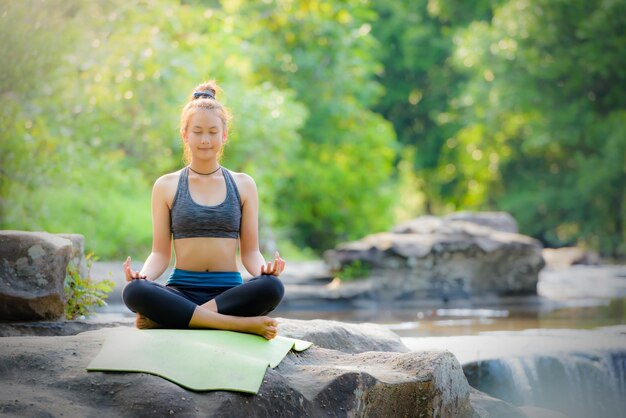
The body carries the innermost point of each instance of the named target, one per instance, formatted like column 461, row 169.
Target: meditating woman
column 207, row 210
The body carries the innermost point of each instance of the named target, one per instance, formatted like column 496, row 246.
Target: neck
column 206, row 168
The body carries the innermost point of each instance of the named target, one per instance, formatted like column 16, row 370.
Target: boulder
column 431, row 257
column 560, row 258
column 583, row 282
column 77, row 256
column 500, row 221
column 344, row 337
column 32, row 272
column 47, row 376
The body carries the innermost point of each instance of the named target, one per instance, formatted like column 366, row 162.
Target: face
column 205, row 134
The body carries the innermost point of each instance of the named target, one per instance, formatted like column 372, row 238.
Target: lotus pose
column 207, row 210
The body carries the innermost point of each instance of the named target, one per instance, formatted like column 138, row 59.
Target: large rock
column 77, row 256
column 32, row 271
column 46, row 376
column 348, row 338
column 500, row 221
column 561, row 258
column 437, row 258
column 583, row 282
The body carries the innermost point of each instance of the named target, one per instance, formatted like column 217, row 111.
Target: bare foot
column 261, row 325
column 143, row 322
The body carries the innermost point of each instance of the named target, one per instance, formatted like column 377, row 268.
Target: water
column 579, row 373
column 578, row 314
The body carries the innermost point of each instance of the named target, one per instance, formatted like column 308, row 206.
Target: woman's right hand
column 130, row 274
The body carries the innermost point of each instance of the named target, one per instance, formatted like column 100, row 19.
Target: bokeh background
column 351, row 115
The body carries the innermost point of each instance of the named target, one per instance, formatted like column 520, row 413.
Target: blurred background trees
column 351, row 115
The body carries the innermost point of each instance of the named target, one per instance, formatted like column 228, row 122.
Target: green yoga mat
column 193, row 358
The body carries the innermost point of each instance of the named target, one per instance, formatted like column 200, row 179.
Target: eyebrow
column 200, row 127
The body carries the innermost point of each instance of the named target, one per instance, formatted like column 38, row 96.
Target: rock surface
column 583, row 282
column 559, row 258
column 46, row 376
column 430, row 257
column 348, row 338
column 500, row 221
column 58, row 328
column 32, row 271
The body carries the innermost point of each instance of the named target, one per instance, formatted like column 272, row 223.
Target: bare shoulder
column 165, row 186
column 245, row 184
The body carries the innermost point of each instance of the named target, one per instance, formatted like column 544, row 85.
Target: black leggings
column 173, row 306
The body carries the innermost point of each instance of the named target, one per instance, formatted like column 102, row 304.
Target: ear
column 224, row 136
column 183, row 135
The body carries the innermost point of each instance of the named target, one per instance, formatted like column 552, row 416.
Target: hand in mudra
column 130, row 273
column 274, row 268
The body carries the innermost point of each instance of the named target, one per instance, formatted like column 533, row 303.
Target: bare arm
column 251, row 257
column 161, row 254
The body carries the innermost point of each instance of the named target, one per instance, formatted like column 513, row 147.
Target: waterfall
column 579, row 384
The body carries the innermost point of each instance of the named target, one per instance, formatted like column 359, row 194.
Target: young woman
column 207, row 210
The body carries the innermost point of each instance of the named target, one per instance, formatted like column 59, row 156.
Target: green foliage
column 341, row 186
column 417, row 41
column 544, row 121
column 82, row 295
column 83, row 158
column 354, row 271
column 349, row 115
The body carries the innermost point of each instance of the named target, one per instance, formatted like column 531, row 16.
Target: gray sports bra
column 189, row 219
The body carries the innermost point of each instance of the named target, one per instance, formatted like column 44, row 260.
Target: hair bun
column 204, row 94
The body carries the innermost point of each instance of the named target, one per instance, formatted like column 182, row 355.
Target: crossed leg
column 241, row 308
column 258, row 296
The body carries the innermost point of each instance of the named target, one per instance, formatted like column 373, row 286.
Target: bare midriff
column 206, row 254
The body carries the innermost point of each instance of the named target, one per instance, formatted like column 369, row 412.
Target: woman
column 206, row 209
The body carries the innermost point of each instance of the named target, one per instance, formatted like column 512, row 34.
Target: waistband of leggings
column 180, row 277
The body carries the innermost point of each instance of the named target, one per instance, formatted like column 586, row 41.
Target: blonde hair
column 194, row 104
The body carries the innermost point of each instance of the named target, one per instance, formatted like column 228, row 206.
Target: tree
column 340, row 186
column 544, row 108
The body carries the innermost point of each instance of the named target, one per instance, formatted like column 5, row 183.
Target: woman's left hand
column 274, row 268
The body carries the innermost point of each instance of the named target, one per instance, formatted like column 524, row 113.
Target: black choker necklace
column 204, row 174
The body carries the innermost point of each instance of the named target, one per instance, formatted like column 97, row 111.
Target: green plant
column 82, row 294
column 354, row 271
